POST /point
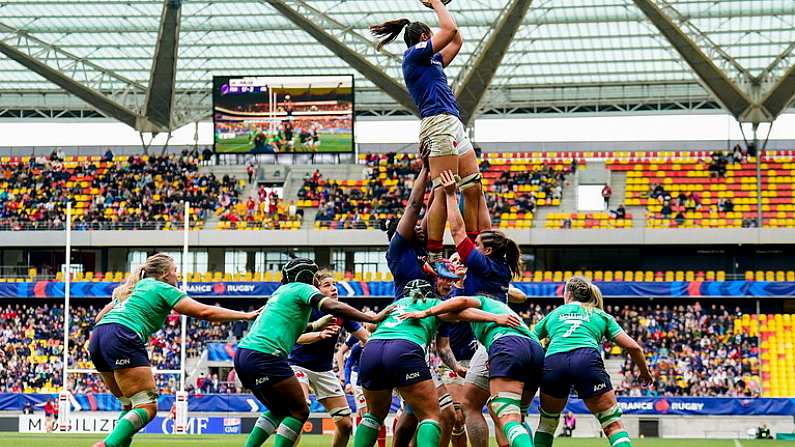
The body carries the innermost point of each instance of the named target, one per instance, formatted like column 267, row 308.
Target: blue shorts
column 387, row 364
column 581, row 368
column 258, row 370
column 113, row 346
column 517, row 358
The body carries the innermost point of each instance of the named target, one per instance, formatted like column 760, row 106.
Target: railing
column 94, row 226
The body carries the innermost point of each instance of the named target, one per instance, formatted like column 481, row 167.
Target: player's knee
column 145, row 400
column 447, row 417
column 300, row 413
column 341, row 417
column 344, row 425
column 609, row 417
column 458, row 410
column 505, row 405
column 548, row 422
column 610, row 429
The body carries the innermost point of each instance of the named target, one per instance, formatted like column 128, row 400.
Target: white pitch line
column 737, row 443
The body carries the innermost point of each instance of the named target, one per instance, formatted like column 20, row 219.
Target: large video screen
column 283, row 114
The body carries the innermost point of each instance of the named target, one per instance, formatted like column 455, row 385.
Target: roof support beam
column 473, row 83
column 725, row 90
column 781, row 94
column 159, row 102
column 350, row 46
column 101, row 88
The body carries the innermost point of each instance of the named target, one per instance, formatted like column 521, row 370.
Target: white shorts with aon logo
column 322, row 384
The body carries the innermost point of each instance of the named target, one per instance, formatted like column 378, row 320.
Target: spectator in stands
column 108, row 157
column 763, row 432
column 656, row 190
column 250, row 171
column 569, row 424
column 738, row 154
column 207, row 156
column 718, row 164
column 620, row 212
column 679, row 219
column 725, row 205
column 666, row 210
column 607, row 191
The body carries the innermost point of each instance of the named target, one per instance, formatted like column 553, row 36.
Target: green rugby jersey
column 572, row 326
column 487, row 332
column 146, row 309
column 421, row 332
column 283, row 320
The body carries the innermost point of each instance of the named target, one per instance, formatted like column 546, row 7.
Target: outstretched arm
column 453, row 305
column 477, row 315
column 339, row 357
column 636, row 353
column 454, row 217
column 451, row 50
column 409, row 218
column 105, row 310
column 447, row 26
column 343, row 310
column 447, row 356
column 192, row 308
column 516, row 296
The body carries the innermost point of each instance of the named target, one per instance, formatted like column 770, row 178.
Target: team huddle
column 490, row 358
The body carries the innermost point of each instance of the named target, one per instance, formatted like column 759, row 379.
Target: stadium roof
column 566, row 55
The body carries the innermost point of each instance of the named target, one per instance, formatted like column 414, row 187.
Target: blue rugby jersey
column 402, row 259
column 485, row 276
column 319, row 356
column 426, row 81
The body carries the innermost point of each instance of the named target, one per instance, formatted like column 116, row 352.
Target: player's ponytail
column 156, row 266
column 388, row 31
column 504, row 248
column 583, row 291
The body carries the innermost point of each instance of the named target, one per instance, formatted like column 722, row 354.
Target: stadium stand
column 776, row 345
column 708, row 189
column 695, row 351
column 136, row 192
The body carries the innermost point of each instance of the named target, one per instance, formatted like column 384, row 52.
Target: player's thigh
column 552, row 404
column 132, row 381
column 289, row 396
column 423, row 399
column 378, row 401
column 331, row 403
column 468, row 164
column 110, row 381
column 443, row 163
column 601, row 402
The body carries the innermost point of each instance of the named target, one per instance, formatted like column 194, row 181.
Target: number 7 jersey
column 573, row 326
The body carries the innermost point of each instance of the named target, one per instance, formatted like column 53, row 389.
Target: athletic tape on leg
column 469, row 181
column 144, row 397
column 125, row 402
column 290, row 428
column 339, row 413
column 445, row 401
column 371, row 421
column 138, row 417
column 505, row 403
column 548, row 423
column 267, row 422
column 609, row 416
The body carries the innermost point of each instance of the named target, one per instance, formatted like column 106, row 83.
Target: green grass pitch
column 328, row 143
column 36, row 440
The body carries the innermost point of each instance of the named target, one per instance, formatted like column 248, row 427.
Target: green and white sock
column 428, row 433
column 517, row 435
column 128, row 425
column 620, row 439
column 288, row 432
column 367, row 431
column 264, row 427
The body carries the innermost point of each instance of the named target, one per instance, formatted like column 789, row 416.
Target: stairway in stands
column 613, row 366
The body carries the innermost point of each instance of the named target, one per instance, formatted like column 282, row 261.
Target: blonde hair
column 585, row 292
column 323, row 274
column 155, row 266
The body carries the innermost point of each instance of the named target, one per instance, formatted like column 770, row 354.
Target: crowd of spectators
column 549, row 181
column 366, row 206
column 692, row 350
column 140, row 192
column 265, row 209
column 31, row 347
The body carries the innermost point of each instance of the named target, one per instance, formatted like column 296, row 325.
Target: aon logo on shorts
column 122, row 362
column 413, row 375
column 261, row 380
column 599, row 387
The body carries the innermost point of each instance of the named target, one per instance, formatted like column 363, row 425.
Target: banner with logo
column 53, row 289
column 93, row 422
column 717, row 406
